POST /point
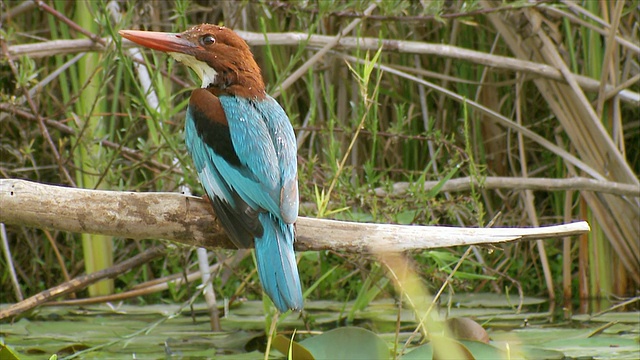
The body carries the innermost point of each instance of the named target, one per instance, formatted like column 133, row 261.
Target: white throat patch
column 204, row 71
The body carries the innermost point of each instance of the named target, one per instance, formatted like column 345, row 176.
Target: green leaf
column 347, row 343
column 422, row 352
column 292, row 348
column 436, row 189
column 6, row 353
column 406, row 217
column 447, row 349
column 480, row 350
column 623, row 317
column 533, row 352
column 614, row 347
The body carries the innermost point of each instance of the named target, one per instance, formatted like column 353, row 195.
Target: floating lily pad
column 622, row 317
column 154, row 331
column 347, row 343
column 470, row 349
column 610, row 347
column 492, row 300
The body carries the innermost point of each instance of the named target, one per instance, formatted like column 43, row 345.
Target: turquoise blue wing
column 267, row 151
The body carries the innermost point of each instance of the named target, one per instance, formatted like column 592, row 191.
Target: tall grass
column 359, row 128
column 90, row 161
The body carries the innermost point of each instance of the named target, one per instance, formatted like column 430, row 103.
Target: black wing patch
column 239, row 220
column 211, row 124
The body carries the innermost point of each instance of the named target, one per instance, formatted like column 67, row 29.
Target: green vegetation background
column 361, row 130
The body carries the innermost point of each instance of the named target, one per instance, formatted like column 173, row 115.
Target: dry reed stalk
column 618, row 218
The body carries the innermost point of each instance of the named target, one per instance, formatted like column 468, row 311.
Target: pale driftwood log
column 189, row 220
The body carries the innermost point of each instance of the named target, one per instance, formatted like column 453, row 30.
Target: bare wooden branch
column 81, row 282
column 513, row 183
column 189, row 220
column 61, row 47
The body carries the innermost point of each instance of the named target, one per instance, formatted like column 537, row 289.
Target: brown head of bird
column 219, row 56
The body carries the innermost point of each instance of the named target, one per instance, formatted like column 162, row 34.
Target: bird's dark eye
column 207, row 40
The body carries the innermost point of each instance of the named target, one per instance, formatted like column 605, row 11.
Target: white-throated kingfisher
column 244, row 150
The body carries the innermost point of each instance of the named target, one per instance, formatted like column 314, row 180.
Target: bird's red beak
column 167, row 42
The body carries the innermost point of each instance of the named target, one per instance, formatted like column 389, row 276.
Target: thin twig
column 6, row 250
column 502, row 120
column 95, row 38
column 56, row 251
column 610, row 47
column 630, row 45
column 129, row 153
column 146, row 288
column 36, row 112
column 406, row 18
column 317, row 56
column 81, row 282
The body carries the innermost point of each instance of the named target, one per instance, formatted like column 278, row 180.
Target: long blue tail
column 277, row 266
